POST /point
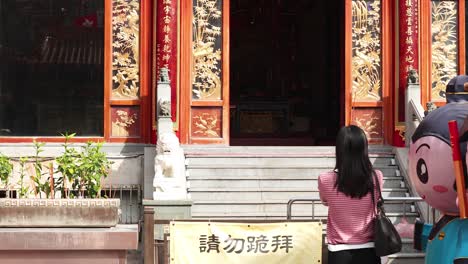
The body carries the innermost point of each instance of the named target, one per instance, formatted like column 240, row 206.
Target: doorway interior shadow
column 286, row 66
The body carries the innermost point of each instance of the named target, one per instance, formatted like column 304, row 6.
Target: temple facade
column 292, row 72
column 242, row 72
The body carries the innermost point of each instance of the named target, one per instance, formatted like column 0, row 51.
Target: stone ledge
column 61, row 256
column 24, row 213
column 60, row 202
column 120, row 237
column 158, row 203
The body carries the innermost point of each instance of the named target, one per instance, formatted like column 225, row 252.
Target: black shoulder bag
column 386, row 239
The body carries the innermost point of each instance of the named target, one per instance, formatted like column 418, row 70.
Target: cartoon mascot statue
column 431, row 169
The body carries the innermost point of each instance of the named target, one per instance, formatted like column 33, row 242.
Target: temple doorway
column 286, row 72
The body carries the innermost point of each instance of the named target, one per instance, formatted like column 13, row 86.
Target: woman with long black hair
column 347, row 192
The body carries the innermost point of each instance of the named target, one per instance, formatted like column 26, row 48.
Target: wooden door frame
column 426, row 48
column 388, row 73
column 388, row 82
column 186, row 102
column 185, row 69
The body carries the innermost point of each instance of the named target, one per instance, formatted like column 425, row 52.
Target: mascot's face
column 432, row 174
column 431, row 166
column 430, row 155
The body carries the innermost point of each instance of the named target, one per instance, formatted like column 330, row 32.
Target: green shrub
column 84, row 170
column 6, row 168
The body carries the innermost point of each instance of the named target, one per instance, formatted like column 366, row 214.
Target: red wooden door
column 369, row 68
column 204, row 72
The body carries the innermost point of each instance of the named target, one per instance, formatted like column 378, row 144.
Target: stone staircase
column 257, row 182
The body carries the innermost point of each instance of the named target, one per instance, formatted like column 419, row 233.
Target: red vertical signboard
column 166, row 45
column 409, row 56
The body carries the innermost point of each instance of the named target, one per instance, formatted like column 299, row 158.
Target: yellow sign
column 226, row 243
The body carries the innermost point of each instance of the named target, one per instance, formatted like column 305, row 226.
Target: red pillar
column 166, row 45
column 408, row 55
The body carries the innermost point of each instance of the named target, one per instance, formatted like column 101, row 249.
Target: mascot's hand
column 405, row 229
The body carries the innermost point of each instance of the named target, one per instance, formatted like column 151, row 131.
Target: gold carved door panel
column 442, row 47
column 206, row 91
column 368, row 68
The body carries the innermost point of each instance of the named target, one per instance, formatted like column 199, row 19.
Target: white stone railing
column 414, row 110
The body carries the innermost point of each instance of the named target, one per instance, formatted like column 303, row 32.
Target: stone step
column 279, row 206
column 242, row 183
column 302, row 175
column 406, row 258
column 274, row 166
column 394, row 217
column 235, row 182
column 200, row 150
column 267, row 195
column 243, row 194
column 302, row 172
column 407, row 247
column 321, row 161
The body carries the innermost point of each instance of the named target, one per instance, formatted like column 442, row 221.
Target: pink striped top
column 349, row 219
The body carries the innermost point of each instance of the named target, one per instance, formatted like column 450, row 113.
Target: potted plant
column 6, row 168
column 84, row 170
column 66, row 190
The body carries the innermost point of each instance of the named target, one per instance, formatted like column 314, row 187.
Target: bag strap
column 380, row 201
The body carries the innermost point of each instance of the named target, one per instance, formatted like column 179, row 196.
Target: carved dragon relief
column 444, row 46
column 366, row 60
column 121, row 125
column 206, row 125
column 369, row 123
column 125, row 49
column 206, row 52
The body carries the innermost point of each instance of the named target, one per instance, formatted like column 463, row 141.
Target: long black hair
column 353, row 167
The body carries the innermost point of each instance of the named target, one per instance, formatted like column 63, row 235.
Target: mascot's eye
column 421, row 170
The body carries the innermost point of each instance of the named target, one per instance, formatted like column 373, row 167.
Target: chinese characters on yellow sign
column 261, row 244
column 208, row 242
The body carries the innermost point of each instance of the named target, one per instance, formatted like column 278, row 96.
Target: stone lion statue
column 413, row 77
column 430, row 107
column 169, row 167
column 164, row 108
